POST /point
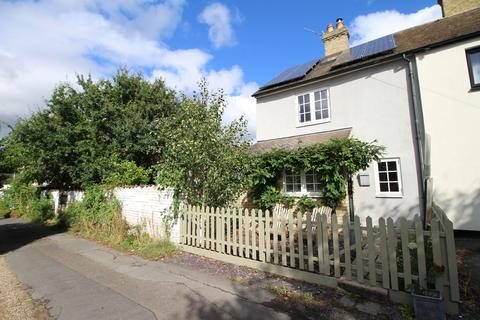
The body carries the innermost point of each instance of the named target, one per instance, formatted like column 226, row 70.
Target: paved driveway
column 80, row 279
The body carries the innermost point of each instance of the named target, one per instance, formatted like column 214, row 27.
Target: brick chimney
column 453, row 7
column 336, row 40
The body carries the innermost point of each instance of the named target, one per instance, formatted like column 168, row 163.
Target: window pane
column 324, row 104
column 383, row 176
column 302, row 109
column 300, row 99
column 392, row 165
column 318, row 115
column 317, row 95
column 307, row 117
column 382, row 166
column 475, row 65
column 325, row 114
column 307, row 107
column 317, row 106
column 384, row 187
column 324, row 94
column 289, row 188
column 394, row 187
column 307, row 98
column 393, row 176
column 309, row 178
column 302, row 118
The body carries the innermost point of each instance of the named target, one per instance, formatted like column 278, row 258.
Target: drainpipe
column 351, row 209
column 419, row 127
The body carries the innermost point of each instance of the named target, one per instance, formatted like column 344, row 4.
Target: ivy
column 333, row 161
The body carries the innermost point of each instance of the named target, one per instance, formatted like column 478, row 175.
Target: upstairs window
column 473, row 61
column 313, row 107
column 389, row 183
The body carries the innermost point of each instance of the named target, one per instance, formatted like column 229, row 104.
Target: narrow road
column 79, row 279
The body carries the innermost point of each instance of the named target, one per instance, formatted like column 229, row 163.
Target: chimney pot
column 339, row 23
column 329, row 27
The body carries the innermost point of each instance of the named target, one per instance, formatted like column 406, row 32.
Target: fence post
column 283, row 236
column 326, row 250
column 358, row 249
column 384, row 254
column 267, row 236
column 422, row 271
column 300, row 241
column 372, row 275
column 309, row 241
column 291, row 238
column 392, row 253
column 346, row 245
column 336, row 253
column 407, row 267
column 452, row 262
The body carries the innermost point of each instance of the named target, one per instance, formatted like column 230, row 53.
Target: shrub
column 306, row 204
column 272, row 197
column 98, row 216
column 25, row 200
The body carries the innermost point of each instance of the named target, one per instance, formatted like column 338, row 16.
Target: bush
column 272, row 197
column 99, row 216
column 306, row 204
column 25, row 200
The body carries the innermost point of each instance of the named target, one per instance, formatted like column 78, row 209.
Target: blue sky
column 271, row 37
column 235, row 45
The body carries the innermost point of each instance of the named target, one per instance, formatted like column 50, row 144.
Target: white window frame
column 313, row 119
column 303, row 188
column 394, row 194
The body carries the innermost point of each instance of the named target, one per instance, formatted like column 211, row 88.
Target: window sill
column 301, row 194
column 389, row 195
column 312, row 123
column 474, row 89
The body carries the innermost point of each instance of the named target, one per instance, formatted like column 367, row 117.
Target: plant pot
column 428, row 304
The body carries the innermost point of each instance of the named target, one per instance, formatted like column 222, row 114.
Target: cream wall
column 376, row 105
column 452, row 119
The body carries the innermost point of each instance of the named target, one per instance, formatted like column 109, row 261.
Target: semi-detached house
column 414, row 92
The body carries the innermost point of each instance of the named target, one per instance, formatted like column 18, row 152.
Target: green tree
column 204, row 161
column 70, row 143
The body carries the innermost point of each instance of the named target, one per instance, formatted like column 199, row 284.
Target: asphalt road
column 79, row 279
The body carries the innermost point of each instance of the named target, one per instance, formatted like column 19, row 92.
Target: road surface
column 79, row 279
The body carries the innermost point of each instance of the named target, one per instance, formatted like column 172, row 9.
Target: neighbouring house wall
column 375, row 103
column 451, row 115
column 141, row 205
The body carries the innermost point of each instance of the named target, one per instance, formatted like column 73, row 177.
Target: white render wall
column 452, row 115
column 376, row 105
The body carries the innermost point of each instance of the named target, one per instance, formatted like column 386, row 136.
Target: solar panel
column 367, row 49
column 292, row 73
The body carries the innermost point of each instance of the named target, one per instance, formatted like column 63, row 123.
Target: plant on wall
column 334, row 161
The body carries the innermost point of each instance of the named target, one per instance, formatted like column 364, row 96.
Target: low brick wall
column 148, row 206
column 141, row 205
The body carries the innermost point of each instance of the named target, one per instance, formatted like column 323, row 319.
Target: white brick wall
column 148, row 206
column 141, row 205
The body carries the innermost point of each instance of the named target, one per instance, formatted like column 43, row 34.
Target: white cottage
column 377, row 91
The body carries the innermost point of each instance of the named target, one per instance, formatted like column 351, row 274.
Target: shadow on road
column 16, row 233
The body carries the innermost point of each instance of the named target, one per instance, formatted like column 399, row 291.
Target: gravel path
column 15, row 301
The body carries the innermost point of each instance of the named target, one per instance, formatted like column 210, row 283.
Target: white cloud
column 374, row 25
column 218, row 18
column 47, row 42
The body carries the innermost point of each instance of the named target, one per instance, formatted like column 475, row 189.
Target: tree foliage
column 70, row 143
column 204, row 161
column 334, row 161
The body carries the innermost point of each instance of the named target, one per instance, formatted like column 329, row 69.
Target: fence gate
column 317, row 247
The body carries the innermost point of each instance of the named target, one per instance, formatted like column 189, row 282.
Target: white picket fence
column 317, row 248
